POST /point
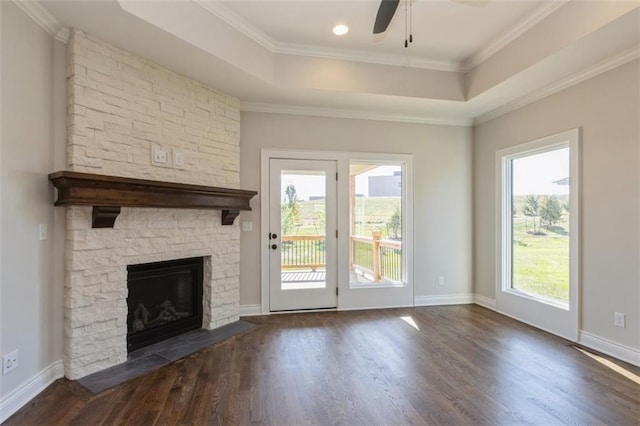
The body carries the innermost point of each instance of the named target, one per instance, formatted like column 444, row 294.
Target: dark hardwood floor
column 464, row 365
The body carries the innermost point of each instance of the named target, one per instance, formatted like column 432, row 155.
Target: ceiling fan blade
column 385, row 14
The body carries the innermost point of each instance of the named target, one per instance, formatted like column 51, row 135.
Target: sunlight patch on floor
column 613, row 366
column 410, row 321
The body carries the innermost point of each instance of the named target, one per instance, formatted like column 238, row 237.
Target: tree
column 395, row 223
column 531, row 208
column 550, row 210
column 290, row 210
column 291, row 194
column 319, row 222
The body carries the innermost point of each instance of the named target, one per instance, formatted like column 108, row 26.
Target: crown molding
column 367, row 57
column 236, row 21
column 538, row 16
column 598, row 68
column 221, row 11
column 42, row 17
column 350, row 114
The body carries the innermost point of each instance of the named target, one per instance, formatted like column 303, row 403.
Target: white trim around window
column 558, row 318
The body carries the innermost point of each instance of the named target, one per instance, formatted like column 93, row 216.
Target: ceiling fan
column 388, row 8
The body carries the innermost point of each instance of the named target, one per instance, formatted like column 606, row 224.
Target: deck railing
column 302, row 251
column 380, row 259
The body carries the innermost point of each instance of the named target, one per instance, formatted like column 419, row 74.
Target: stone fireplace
column 121, row 107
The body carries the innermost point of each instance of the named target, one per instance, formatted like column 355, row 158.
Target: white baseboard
column 25, row 393
column 368, row 308
column 606, row 346
column 250, row 310
column 444, row 299
column 485, row 302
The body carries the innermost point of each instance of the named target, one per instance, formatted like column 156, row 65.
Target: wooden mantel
column 107, row 194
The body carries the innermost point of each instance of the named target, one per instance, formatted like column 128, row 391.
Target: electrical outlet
column 9, row 362
column 158, row 156
column 42, row 230
column 440, row 280
column 247, row 226
column 618, row 319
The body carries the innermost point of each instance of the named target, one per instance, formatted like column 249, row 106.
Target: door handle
column 274, row 246
column 273, row 236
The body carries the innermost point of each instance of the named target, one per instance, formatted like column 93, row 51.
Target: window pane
column 303, row 229
column 540, row 224
column 375, row 249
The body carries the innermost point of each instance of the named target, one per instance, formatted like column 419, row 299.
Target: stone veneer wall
column 120, row 106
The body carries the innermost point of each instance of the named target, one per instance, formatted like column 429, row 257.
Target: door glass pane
column 375, row 249
column 303, row 229
column 540, row 225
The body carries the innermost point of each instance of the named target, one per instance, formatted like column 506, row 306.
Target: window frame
column 403, row 164
column 504, row 229
column 507, row 222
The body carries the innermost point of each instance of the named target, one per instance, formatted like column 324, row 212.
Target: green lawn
column 373, row 213
column 541, row 262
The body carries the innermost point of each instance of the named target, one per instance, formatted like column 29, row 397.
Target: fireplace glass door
column 165, row 299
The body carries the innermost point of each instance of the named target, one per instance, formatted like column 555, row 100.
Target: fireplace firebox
column 165, row 299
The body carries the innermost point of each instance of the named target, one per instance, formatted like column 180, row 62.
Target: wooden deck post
column 377, row 261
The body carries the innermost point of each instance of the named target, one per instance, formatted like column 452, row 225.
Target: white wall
column 606, row 109
column 32, row 145
column 442, row 182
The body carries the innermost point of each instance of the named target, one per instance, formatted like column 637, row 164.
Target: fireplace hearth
column 165, row 299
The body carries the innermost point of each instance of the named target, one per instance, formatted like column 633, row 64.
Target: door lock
column 273, row 236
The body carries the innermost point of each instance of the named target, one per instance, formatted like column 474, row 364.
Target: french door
column 538, row 233
column 337, row 230
column 302, row 234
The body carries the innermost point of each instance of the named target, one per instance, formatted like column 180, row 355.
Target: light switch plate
column 178, row 158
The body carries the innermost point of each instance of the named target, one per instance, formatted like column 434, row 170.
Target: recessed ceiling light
column 340, row 29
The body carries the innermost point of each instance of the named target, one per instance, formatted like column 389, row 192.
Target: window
column 538, row 233
column 539, row 223
column 376, row 224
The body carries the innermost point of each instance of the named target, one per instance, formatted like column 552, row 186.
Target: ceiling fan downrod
column 410, row 21
column 408, row 27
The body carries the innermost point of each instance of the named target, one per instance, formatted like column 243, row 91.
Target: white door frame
column 342, row 159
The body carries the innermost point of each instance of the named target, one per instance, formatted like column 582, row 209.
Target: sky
column 535, row 174
column 314, row 184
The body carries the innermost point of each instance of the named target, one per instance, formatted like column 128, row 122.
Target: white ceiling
column 467, row 62
column 443, row 31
